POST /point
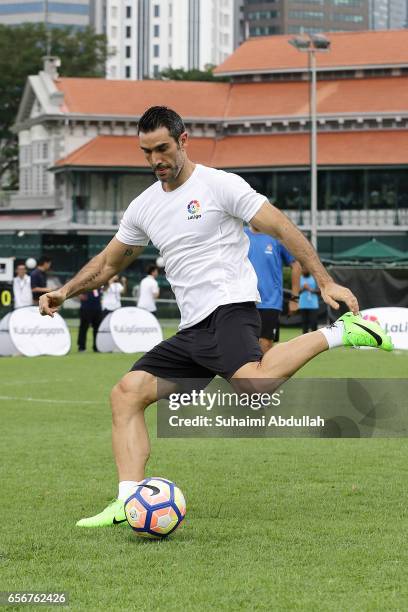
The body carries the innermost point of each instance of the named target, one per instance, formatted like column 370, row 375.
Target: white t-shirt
column 149, row 287
column 198, row 230
column 111, row 297
column 22, row 291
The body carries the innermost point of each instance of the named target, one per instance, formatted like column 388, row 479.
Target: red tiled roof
column 269, row 53
column 124, row 152
column 110, row 97
column 333, row 97
column 278, row 150
column 218, row 100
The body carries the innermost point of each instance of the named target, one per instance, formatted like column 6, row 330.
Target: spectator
column 39, row 278
column 111, row 296
column 268, row 257
column 308, row 301
column 149, row 290
column 22, row 287
column 90, row 313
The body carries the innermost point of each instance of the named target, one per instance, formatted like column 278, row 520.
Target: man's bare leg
column 286, row 358
column 130, row 438
column 130, row 441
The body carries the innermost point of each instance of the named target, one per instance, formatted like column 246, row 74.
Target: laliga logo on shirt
column 269, row 249
column 194, row 210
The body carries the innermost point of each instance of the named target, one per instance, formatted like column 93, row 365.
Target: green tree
column 83, row 54
column 179, row 74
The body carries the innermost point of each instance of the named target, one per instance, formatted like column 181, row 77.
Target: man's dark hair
column 43, row 259
column 161, row 116
column 152, row 268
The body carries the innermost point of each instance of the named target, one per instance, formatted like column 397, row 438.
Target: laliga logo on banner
column 26, row 332
column 394, row 321
column 372, row 318
column 134, row 330
column 128, row 330
column 38, row 331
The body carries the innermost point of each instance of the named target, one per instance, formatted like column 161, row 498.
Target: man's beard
column 172, row 172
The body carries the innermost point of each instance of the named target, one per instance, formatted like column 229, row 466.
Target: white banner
column 25, row 332
column 394, row 321
column 6, row 269
column 129, row 330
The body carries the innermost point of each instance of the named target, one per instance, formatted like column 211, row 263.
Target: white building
column 388, row 14
column 147, row 36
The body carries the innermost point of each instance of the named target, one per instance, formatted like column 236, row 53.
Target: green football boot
column 359, row 332
column 114, row 514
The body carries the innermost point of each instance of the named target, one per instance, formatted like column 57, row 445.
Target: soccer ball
column 156, row 508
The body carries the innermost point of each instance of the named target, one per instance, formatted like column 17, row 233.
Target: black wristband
column 294, row 298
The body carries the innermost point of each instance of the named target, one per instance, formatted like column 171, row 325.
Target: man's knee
column 136, row 389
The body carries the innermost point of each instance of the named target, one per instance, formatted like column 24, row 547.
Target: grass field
column 304, row 524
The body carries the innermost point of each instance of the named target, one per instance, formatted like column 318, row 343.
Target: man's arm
column 296, row 273
column 295, row 285
column 113, row 259
column 270, row 220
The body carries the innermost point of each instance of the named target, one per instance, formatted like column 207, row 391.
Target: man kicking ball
column 193, row 214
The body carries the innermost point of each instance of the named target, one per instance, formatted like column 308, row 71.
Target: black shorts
column 270, row 323
column 219, row 345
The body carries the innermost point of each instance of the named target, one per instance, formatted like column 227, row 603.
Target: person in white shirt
column 194, row 216
column 111, row 295
column 22, row 287
column 149, row 290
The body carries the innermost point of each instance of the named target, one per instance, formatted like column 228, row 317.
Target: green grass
column 287, row 524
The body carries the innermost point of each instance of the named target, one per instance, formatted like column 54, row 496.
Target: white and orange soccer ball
column 156, row 508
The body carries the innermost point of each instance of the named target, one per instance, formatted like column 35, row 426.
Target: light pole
column 312, row 44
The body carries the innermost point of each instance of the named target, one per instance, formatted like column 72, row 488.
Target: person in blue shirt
column 268, row 256
column 308, row 301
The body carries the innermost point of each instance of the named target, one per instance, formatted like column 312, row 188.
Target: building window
column 308, row 15
column 347, row 17
column 128, row 51
column 44, row 186
column 299, row 29
column 128, row 31
column 114, row 12
column 170, row 29
column 170, row 50
column 347, row 2
column 156, row 30
column 114, row 31
column 113, row 72
column 156, row 50
column 260, row 15
column 156, row 70
column 263, row 30
column 170, row 10
column 156, row 10
column 127, row 72
column 128, row 12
